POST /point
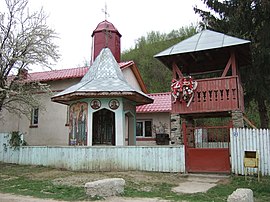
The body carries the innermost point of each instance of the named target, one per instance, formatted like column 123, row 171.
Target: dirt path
column 16, row 198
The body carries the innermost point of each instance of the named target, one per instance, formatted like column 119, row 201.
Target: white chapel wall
column 131, row 79
column 157, row 120
column 51, row 129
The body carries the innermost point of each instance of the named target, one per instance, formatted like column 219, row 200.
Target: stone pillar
column 237, row 119
column 176, row 130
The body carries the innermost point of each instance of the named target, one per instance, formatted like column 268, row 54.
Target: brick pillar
column 176, row 130
column 237, row 119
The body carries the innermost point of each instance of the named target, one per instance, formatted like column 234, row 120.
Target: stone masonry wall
column 237, row 119
column 176, row 130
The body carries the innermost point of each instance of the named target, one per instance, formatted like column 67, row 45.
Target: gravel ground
column 16, row 198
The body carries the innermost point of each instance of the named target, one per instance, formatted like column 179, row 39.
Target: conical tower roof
column 103, row 79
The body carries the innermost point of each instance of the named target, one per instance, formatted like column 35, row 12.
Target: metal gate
column 207, row 149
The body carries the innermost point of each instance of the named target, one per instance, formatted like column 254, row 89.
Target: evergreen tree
column 248, row 19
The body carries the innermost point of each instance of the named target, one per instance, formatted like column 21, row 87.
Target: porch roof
column 162, row 103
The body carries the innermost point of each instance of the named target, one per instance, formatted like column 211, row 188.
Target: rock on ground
column 105, row 187
column 241, row 195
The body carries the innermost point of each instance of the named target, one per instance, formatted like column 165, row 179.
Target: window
column 67, row 118
column 34, row 117
column 144, row 128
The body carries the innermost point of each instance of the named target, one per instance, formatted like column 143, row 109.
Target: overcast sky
column 75, row 20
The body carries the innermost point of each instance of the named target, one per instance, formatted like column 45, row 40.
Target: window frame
column 34, row 117
column 68, row 116
column 143, row 121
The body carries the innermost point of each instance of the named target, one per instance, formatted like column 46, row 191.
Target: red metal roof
column 162, row 103
column 53, row 75
column 105, row 25
column 57, row 74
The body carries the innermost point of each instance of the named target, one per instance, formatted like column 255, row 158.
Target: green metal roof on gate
column 204, row 40
column 205, row 51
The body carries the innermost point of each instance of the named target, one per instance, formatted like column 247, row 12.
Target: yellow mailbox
column 251, row 160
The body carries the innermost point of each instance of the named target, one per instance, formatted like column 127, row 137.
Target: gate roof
column 200, row 49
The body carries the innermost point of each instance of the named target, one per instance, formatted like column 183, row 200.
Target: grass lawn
column 43, row 182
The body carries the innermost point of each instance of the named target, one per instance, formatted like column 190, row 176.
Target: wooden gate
column 207, row 149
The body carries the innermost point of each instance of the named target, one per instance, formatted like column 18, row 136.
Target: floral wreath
column 183, row 89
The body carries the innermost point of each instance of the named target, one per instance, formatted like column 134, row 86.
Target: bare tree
column 25, row 39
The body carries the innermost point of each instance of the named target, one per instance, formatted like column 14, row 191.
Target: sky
column 74, row 21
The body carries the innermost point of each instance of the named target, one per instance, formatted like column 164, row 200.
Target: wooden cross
column 106, row 31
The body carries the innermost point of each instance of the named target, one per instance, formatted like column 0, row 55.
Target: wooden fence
column 250, row 140
column 97, row 158
column 141, row 158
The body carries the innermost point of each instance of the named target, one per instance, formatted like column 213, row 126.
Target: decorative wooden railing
column 220, row 94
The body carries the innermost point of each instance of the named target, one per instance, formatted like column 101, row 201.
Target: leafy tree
column 156, row 76
column 249, row 19
column 25, row 39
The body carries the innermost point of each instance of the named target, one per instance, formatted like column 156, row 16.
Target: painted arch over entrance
column 103, row 127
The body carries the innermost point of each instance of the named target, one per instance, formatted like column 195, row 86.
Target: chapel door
column 104, row 127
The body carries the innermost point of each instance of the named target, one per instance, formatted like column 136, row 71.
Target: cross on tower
column 105, row 11
column 106, row 31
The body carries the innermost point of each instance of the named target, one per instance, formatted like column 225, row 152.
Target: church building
column 104, row 104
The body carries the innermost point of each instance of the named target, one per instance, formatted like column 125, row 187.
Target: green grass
column 33, row 181
column 261, row 191
column 41, row 189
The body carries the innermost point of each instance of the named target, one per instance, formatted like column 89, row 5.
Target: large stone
column 105, row 187
column 241, row 195
column 237, row 119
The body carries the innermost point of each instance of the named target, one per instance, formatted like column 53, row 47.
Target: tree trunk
column 2, row 99
column 264, row 119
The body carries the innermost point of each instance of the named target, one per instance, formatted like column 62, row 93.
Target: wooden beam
column 193, row 56
column 206, row 72
column 249, row 122
column 229, row 63
column 233, row 63
column 176, row 71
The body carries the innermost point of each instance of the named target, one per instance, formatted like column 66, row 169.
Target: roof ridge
column 55, row 70
column 72, row 68
column 200, row 35
column 164, row 93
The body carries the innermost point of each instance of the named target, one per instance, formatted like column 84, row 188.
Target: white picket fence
column 250, row 140
column 143, row 158
column 97, row 158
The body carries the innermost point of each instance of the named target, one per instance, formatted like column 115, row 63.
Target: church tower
column 106, row 36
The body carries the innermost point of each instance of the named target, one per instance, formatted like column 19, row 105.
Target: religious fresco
column 114, row 104
column 95, row 104
column 78, row 124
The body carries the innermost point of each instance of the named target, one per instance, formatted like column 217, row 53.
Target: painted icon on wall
column 95, row 104
column 78, row 124
column 114, row 104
